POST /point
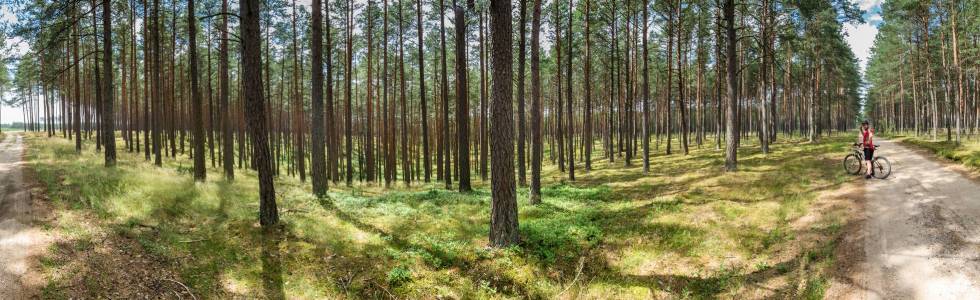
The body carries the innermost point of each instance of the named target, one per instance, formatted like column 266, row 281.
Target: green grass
column 686, row 230
column 966, row 153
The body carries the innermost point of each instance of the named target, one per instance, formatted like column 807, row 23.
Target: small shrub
column 571, row 192
column 450, row 250
column 399, row 275
column 775, row 236
column 182, row 169
column 973, row 159
column 560, row 237
column 815, row 288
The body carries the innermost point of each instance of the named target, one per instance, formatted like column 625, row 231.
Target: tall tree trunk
column 317, row 157
column 646, row 89
column 211, row 109
column 462, row 102
column 763, row 108
column 147, row 86
column 99, row 88
column 426, row 155
column 731, row 133
column 570, row 121
column 558, row 107
column 157, row 116
column 388, row 111
column 444, row 85
column 960, row 102
column 406, row 174
column 227, row 137
column 349, row 153
column 587, row 118
column 718, row 79
column 200, row 171
column 483, row 143
column 928, row 71
column 521, row 118
column 369, row 171
column 331, row 131
column 671, row 33
column 255, row 110
column 681, row 102
column 536, row 113
column 77, row 85
column 297, row 106
column 503, row 218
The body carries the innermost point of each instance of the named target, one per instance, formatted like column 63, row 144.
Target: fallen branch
column 386, row 291
column 194, row 241
column 147, row 226
column 578, row 271
column 285, row 211
column 185, row 287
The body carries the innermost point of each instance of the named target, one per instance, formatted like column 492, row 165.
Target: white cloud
column 861, row 38
column 868, row 4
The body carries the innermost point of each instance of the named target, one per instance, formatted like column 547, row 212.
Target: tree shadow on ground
column 474, row 269
column 272, row 283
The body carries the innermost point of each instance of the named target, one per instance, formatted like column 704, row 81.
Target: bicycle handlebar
column 859, row 144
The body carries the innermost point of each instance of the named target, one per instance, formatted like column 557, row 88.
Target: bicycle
column 881, row 168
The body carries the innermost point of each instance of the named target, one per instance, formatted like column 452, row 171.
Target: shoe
column 867, row 176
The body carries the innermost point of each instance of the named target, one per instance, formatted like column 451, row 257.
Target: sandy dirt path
column 920, row 236
column 20, row 240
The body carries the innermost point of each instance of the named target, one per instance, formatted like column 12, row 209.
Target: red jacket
column 866, row 138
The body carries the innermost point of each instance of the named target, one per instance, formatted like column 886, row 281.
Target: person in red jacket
column 866, row 139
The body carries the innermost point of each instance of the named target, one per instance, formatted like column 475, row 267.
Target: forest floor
column 919, row 236
column 686, row 230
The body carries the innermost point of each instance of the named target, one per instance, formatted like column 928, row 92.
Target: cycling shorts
column 869, row 153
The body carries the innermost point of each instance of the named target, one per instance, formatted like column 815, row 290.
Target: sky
column 8, row 114
column 860, row 37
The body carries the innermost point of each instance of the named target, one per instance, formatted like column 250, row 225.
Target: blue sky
column 860, row 38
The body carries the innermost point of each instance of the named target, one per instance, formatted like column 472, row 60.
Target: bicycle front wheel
column 852, row 164
column 882, row 168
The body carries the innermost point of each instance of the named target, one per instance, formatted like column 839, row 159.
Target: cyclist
column 866, row 140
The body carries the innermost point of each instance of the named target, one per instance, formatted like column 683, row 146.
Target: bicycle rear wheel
column 882, row 168
column 853, row 164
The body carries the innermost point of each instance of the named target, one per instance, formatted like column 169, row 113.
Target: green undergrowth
column 967, row 152
column 687, row 229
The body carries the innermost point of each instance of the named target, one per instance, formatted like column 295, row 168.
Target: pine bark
column 444, row 85
column 731, row 133
column 426, row 155
column 570, row 120
column 200, row 172
column 349, row 73
column 406, row 174
column 227, row 137
column 157, row 116
column 462, row 102
column 255, row 110
column 537, row 150
column 503, row 220
column 317, row 157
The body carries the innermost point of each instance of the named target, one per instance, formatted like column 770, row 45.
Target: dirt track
column 20, row 240
column 920, row 238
